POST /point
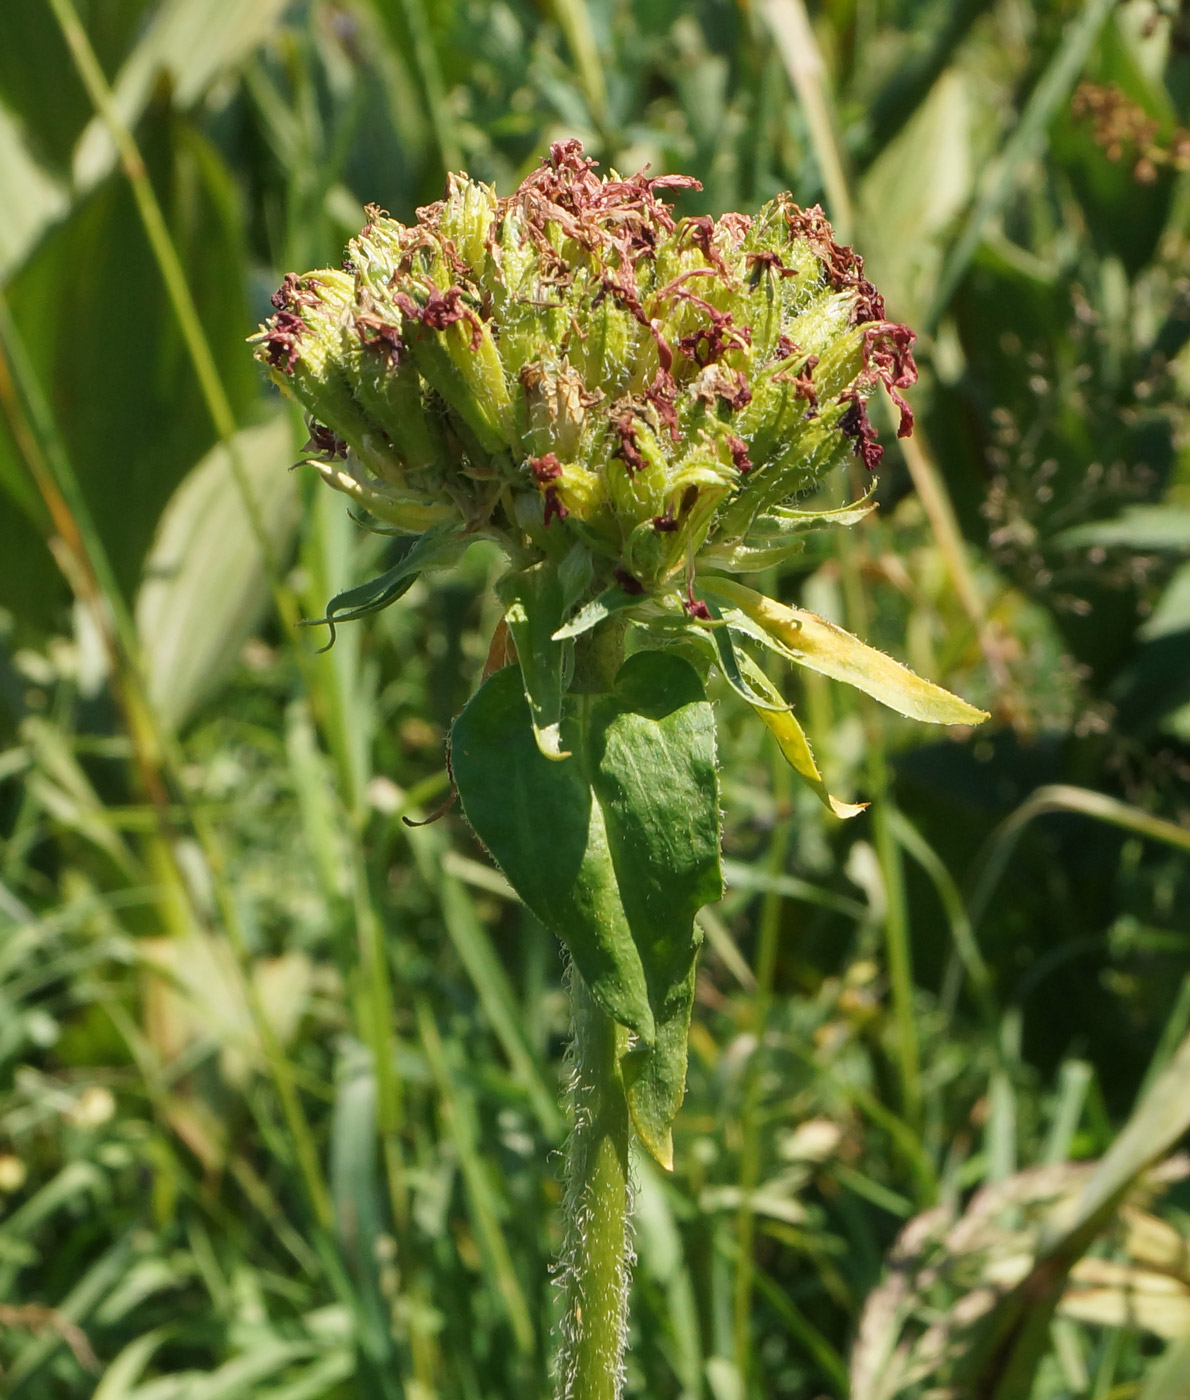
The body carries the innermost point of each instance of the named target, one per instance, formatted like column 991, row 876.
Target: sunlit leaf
column 822, row 646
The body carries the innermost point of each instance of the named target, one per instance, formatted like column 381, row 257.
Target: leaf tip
column 549, row 741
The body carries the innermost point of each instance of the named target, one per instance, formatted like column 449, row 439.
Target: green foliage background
column 278, row 1074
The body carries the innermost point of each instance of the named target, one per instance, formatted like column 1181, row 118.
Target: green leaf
column 34, row 200
column 729, row 663
column 615, row 849
column 533, row 606
column 1013, row 1335
column 1140, row 527
column 195, row 42
column 1169, row 1378
column 204, row 582
column 652, row 757
column 611, row 600
column 778, row 533
column 543, row 827
column 435, row 549
column 791, row 739
column 123, row 1373
column 821, row 646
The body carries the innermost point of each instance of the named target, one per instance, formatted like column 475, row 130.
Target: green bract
column 631, row 406
column 570, row 357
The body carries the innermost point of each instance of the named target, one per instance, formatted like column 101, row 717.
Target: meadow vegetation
column 280, row 1073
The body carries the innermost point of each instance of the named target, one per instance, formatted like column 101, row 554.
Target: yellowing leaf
column 821, row 646
column 792, row 741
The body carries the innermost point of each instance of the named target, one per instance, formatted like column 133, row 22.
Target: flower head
column 624, row 399
column 571, row 364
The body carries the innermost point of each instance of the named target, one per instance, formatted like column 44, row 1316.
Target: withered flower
column 626, row 399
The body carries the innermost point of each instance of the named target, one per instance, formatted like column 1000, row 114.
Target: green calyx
column 570, row 364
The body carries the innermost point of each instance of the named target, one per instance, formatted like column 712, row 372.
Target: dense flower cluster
column 570, row 366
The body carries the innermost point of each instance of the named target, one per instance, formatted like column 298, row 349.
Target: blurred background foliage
column 278, row 1074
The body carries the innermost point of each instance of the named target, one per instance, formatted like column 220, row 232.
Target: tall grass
column 278, row 1072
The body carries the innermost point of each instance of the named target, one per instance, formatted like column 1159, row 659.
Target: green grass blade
column 1027, row 137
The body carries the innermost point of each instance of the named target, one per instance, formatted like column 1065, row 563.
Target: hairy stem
column 597, row 1251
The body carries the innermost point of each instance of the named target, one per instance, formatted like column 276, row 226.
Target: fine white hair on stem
column 585, row 1322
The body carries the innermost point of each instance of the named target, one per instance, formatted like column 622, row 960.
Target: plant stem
column 596, row 1252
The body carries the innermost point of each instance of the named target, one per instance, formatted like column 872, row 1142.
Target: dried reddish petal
column 377, row 334
column 768, row 260
column 323, row 440
column 695, row 607
column 803, row 382
column 702, row 233
column 717, row 381
column 843, row 266
column 888, row 359
column 739, row 454
column 285, row 330
column 625, row 427
column 545, row 469
column 554, row 509
column 856, row 424
column 441, row 309
column 705, row 345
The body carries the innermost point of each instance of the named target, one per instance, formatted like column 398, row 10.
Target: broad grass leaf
column 195, row 42
column 1156, row 527
column 1116, row 1294
column 820, row 645
column 125, row 1370
column 1169, row 1378
column 103, row 345
column 33, row 198
column 1015, row 1334
column 355, row 1191
column 915, row 189
column 204, row 582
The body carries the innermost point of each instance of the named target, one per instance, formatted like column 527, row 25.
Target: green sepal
column 435, row 549
column 778, row 533
column 611, row 600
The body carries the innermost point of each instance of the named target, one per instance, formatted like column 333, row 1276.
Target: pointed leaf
column 652, row 757
column 204, row 583
column 533, row 605
column 729, row 662
column 792, row 741
column 778, row 533
column 546, row 832
column 433, row 550
column 616, row 849
column 611, row 600
column 820, row 645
